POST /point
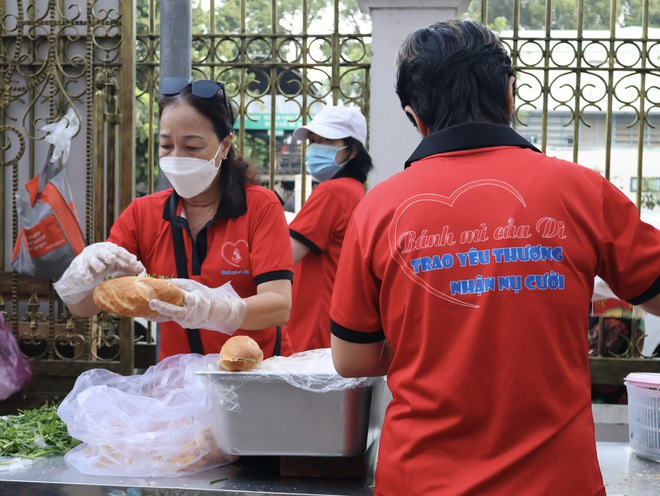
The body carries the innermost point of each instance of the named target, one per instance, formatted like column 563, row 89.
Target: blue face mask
column 321, row 161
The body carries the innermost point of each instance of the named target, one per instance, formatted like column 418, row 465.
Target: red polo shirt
column 247, row 243
column 320, row 226
column 477, row 264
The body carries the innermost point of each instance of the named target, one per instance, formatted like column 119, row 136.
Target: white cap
column 336, row 123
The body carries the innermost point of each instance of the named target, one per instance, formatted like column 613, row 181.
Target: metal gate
column 587, row 90
column 55, row 56
column 278, row 60
column 101, row 58
column 587, row 82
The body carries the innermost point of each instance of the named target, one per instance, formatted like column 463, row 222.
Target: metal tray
column 276, row 418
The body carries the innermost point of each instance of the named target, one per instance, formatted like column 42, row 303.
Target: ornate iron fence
column 54, row 55
column 278, row 64
column 587, row 90
column 587, row 86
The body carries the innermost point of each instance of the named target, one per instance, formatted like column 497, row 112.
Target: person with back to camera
column 445, row 266
column 337, row 159
column 216, row 225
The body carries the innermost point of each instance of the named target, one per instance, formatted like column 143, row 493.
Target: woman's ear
column 354, row 152
column 509, row 95
column 421, row 126
column 226, row 145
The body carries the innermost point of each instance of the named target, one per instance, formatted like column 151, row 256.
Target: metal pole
column 175, row 49
column 175, row 38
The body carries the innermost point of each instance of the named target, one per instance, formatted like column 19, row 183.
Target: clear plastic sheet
column 309, row 370
column 8, row 464
column 159, row 423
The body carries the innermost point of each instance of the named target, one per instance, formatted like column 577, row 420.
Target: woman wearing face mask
column 337, row 160
column 216, row 226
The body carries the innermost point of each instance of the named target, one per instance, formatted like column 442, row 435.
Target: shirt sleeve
column 631, row 251
column 271, row 257
column 314, row 224
column 124, row 231
column 355, row 310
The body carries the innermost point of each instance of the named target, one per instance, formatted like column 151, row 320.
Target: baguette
column 240, row 353
column 130, row 296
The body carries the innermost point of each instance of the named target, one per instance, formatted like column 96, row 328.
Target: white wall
column 392, row 137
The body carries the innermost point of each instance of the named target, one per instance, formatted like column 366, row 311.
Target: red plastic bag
column 14, row 368
column 49, row 236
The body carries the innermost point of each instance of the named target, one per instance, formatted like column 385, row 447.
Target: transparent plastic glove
column 217, row 309
column 95, row 263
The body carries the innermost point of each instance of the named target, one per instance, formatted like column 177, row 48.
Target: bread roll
column 240, row 353
column 129, row 296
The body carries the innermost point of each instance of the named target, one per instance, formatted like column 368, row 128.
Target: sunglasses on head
column 204, row 88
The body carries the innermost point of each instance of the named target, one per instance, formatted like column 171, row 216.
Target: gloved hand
column 95, row 263
column 217, row 309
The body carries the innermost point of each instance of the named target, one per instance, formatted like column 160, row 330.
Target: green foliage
column 650, row 200
column 565, row 14
column 499, row 24
column 258, row 15
column 634, row 11
column 650, row 193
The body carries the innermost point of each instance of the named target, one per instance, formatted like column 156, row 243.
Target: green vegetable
column 218, row 480
column 157, row 276
column 35, row 433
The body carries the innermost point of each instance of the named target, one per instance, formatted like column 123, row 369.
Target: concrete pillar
column 298, row 189
column 392, row 137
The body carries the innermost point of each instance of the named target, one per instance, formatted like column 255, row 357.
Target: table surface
column 249, row 475
column 624, row 473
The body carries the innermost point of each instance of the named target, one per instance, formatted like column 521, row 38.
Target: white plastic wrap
column 602, row 293
column 309, row 370
column 159, row 423
column 60, row 134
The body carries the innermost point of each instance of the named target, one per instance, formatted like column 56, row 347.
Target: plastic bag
column 15, row 370
column 49, row 235
column 159, row 423
column 311, row 370
column 615, row 319
column 60, row 134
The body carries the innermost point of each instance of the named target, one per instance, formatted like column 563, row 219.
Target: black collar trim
column 468, row 136
column 227, row 207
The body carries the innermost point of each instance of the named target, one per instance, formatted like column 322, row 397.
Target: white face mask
column 190, row 176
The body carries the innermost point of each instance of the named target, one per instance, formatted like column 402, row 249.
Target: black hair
column 357, row 167
column 235, row 172
column 453, row 72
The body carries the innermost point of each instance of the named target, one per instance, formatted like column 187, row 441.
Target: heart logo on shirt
column 235, row 253
column 396, row 230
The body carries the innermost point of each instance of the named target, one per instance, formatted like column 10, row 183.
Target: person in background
column 216, row 225
column 337, row 159
column 466, row 277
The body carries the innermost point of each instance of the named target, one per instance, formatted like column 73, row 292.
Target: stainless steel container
column 277, row 418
